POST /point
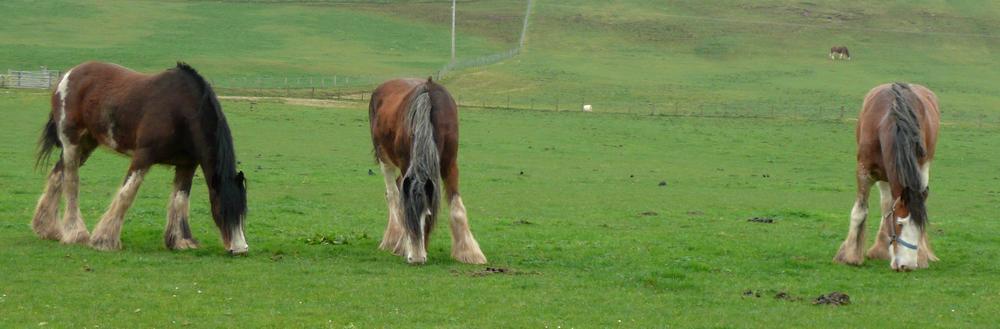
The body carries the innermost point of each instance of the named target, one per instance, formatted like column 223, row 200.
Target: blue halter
column 894, row 237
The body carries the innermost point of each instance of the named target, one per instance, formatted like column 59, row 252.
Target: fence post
column 557, row 103
column 508, row 101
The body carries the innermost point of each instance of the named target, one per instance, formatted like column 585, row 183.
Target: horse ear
column 430, row 79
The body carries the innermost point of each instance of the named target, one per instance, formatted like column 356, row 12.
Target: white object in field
column 587, row 108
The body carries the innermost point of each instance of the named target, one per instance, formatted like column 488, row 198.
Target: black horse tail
column 908, row 148
column 47, row 143
column 420, row 192
column 230, row 184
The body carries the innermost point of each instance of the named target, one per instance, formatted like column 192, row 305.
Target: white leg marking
column 239, row 244
column 107, row 234
column 176, row 222
column 464, row 247
column 74, row 230
column 111, row 136
column 46, row 222
column 858, row 215
column 392, row 239
column 925, row 174
column 63, row 91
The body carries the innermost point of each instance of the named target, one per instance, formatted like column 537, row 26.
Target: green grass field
column 569, row 203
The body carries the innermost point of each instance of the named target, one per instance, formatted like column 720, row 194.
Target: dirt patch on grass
column 781, row 295
column 491, row 271
column 323, row 103
column 834, row 298
column 762, row 220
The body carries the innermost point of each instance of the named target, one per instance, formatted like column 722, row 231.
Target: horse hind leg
column 45, row 222
column 74, row 230
column 880, row 250
column 177, row 235
column 851, row 250
column 464, row 247
column 393, row 238
column 107, row 234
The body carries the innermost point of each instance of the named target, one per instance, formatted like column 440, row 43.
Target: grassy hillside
column 748, row 56
column 730, row 57
column 229, row 39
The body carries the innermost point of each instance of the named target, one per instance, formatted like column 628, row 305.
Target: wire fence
column 493, row 58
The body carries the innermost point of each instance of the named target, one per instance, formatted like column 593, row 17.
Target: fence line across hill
column 357, row 89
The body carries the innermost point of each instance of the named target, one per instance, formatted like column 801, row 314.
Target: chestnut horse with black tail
column 897, row 132
column 170, row 118
column 414, row 126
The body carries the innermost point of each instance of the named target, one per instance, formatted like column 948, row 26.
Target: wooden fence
column 41, row 79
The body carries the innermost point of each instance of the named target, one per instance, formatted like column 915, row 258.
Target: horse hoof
column 469, row 255
column 78, row 236
column 470, row 258
column 105, row 244
column 184, row 244
column 48, row 234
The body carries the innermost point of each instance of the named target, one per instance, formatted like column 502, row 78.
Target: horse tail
column 229, row 183
column 420, row 192
column 908, row 148
column 47, row 142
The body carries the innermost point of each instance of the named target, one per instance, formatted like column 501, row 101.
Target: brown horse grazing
column 169, row 118
column 840, row 52
column 415, row 126
column 896, row 135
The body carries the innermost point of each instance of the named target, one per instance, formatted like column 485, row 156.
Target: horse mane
column 230, row 184
column 908, row 148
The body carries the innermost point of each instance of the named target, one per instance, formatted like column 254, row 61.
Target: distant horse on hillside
column 840, row 52
column 168, row 118
column 414, row 125
column 896, row 134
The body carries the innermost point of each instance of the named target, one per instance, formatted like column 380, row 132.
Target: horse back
column 875, row 123
column 387, row 113
column 117, row 106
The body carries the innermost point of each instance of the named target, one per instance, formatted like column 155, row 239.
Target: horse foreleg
column 880, row 250
column 925, row 246
column 464, row 247
column 177, row 235
column 851, row 250
column 107, row 234
column 392, row 239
